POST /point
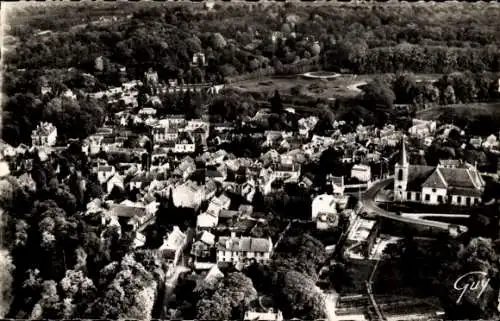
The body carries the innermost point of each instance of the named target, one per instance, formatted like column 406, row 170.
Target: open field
column 346, row 85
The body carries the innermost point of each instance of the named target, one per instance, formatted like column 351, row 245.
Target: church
column 451, row 182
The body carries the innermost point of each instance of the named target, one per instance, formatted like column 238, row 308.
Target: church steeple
column 403, row 157
column 401, row 173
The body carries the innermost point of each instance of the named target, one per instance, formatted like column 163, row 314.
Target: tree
column 449, row 95
column 405, row 88
column 379, row 94
column 299, row 297
column 129, row 294
column 216, row 308
column 231, row 294
column 218, row 41
column 276, row 103
column 303, row 254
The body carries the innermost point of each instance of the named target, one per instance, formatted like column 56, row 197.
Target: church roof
column 417, row 175
column 457, row 179
column 435, row 180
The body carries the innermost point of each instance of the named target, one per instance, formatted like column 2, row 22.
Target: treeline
column 364, row 39
column 410, row 57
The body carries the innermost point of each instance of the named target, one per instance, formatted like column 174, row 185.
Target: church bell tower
column 401, row 174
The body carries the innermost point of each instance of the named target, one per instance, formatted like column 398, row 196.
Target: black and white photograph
column 250, row 160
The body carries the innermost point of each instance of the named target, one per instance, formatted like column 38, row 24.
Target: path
column 369, row 204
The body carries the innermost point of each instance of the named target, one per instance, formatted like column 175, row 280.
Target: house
column 169, row 120
column 115, row 181
column 104, row 173
column 199, row 59
column 219, row 203
column 361, row 172
column 476, row 142
column 240, row 249
column 68, row 93
column 216, row 173
column 207, row 220
column 436, row 185
column 286, row 172
column 134, row 214
column 25, row 180
column 337, row 183
column 307, row 124
column 174, row 243
column 198, row 126
column 7, row 150
column 323, row 204
column 92, row 144
column 223, row 127
column 260, row 311
column 204, row 254
column 4, row 169
column 147, row 111
column 490, row 142
column 184, row 144
column 151, row 77
column 185, row 168
column 187, row 195
column 422, row 128
column 45, row 134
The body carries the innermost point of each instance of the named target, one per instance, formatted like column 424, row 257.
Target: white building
column 361, row 172
column 240, row 249
column 422, row 128
column 44, row 135
column 437, row 185
column 185, row 144
column 323, row 204
column 104, row 173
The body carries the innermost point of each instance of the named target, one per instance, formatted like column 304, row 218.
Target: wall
column 434, row 193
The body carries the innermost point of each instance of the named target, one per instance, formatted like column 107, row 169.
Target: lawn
column 346, row 85
column 359, row 271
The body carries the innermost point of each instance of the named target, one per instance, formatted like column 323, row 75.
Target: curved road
column 369, row 204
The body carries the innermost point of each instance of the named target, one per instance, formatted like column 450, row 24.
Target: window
column 408, row 196
column 434, row 190
column 459, row 199
column 417, row 196
column 467, row 200
column 400, row 175
column 427, row 197
column 440, row 199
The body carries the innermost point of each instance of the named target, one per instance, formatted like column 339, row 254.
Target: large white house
column 323, row 204
column 44, row 135
column 445, row 184
column 239, row 249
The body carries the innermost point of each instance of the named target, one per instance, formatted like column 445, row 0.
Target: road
column 369, row 205
column 171, row 281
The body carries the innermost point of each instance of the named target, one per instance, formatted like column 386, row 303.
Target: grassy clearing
column 343, row 86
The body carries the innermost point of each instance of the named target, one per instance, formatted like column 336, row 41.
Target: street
column 369, row 205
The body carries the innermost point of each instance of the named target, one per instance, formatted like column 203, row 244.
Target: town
column 283, row 192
